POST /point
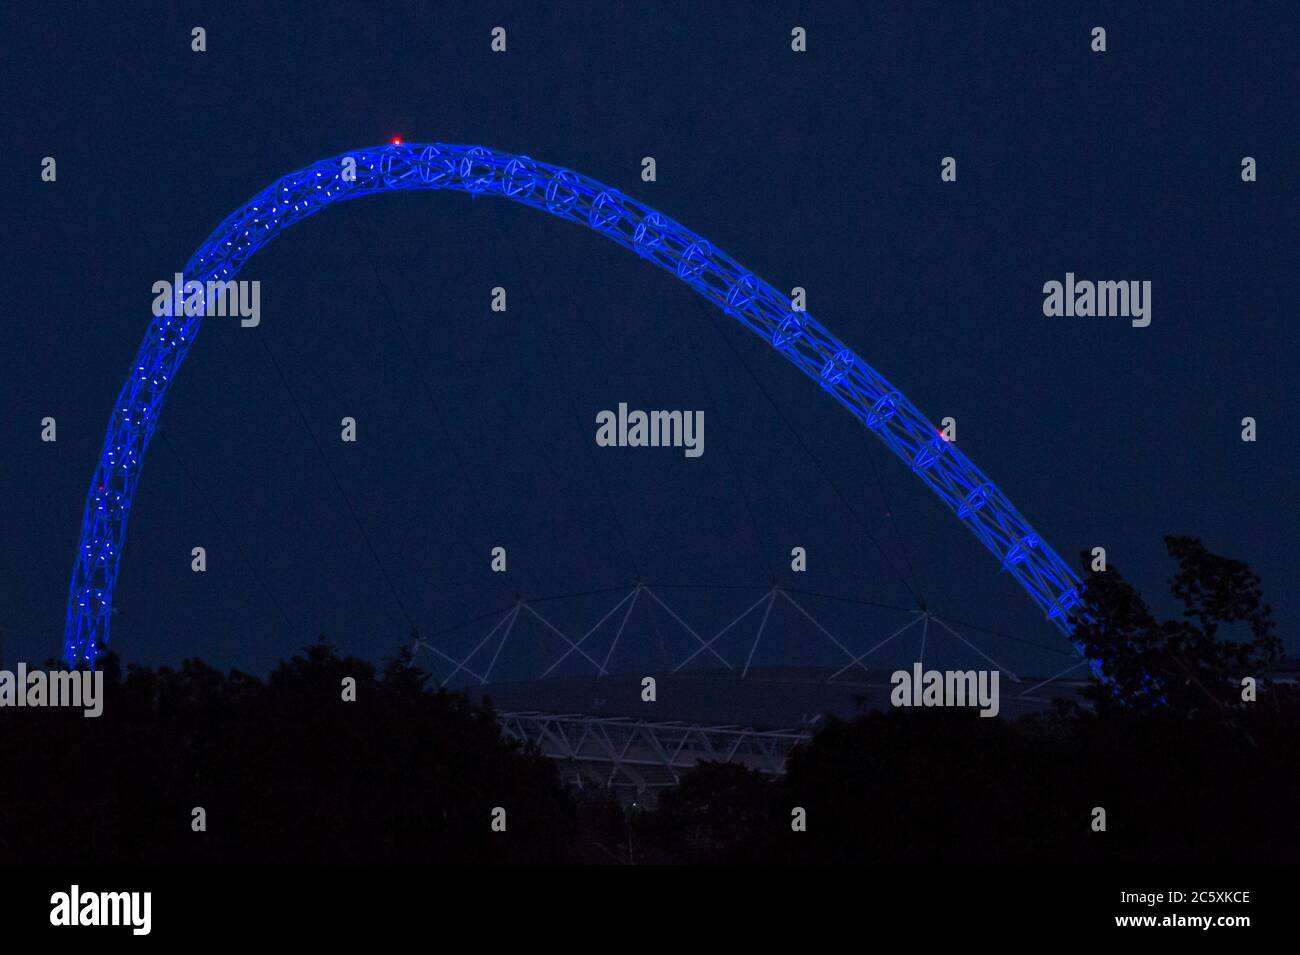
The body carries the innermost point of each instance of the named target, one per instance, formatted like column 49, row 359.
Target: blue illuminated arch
column 476, row 170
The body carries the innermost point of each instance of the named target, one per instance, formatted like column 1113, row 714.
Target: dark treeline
column 1190, row 759
column 285, row 770
column 939, row 786
column 1193, row 754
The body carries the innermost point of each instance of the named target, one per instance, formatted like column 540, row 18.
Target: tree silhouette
column 1184, row 666
column 715, row 811
column 1161, row 750
column 286, row 770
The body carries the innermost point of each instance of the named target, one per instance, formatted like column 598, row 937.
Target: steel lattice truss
column 962, row 487
column 621, row 753
column 479, row 662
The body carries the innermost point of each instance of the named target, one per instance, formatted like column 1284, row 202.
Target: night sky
column 477, row 429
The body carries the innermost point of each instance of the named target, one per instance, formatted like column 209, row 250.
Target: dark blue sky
column 477, row 428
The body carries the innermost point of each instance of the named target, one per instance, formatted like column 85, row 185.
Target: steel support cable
column 764, row 554
column 395, row 323
column 225, row 531
column 670, row 586
column 571, row 395
column 961, row 623
column 820, row 466
column 356, row 519
column 582, row 593
column 889, row 512
column 1006, row 636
